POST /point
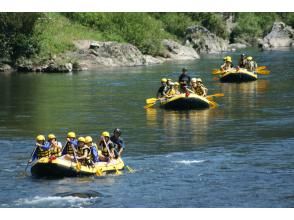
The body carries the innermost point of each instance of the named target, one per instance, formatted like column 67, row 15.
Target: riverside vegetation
column 61, row 42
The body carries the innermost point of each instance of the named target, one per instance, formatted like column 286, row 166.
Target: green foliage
column 288, row 18
column 214, row 22
column 16, row 34
column 252, row 25
column 55, row 34
column 175, row 23
column 139, row 29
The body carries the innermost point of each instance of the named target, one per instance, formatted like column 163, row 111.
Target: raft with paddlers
column 185, row 102
column 59, row 167
column 238, row 75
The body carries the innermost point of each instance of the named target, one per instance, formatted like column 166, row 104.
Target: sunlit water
column 240, row 154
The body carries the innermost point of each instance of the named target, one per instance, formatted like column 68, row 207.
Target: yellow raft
column 183, row 102
column 238, row 76
column 59, row 167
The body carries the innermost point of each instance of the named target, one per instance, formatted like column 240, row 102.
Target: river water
column 240, row 154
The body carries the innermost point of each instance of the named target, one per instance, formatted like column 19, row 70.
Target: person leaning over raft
column 106, row 146
column 251, row 65
column 55, row 146
column 118, row 142
column 42, row 148
column 71, row 144
column 184, row 79
column 163, row 89
column 228, row 64
column 94, row 157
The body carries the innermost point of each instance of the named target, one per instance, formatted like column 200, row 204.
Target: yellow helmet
column 81, row 139
column 176, row 84
column 105, row 134
column 229, row 59
column 88, row 139
column 163, row 80
column 199, row 80
column 51, row 136
column 40, row 137
column 71, row 134
column 249, row 58
column 193, row 80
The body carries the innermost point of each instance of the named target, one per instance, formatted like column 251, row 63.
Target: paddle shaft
column 31, row 157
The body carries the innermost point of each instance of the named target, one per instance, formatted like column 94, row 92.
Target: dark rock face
column 281, row 36
column 203, row 41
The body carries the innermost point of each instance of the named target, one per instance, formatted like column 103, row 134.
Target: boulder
column 176, row 51
column 236, row 46
column 110, row 53
column 203, row 41
column 58, row 68
column 281, row 36
column 5, row 68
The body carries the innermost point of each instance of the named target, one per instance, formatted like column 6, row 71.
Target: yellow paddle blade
column 217, row 95
column 261, row 67
column 78, row 166
column 209, row 98
column 117, row 172
column 151, row 100
column 216, row 71
column 149, row 105
column 263, row 72
column 131, row 170
column 213, row 104
column 98, row 172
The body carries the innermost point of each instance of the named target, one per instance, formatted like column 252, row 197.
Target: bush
column 16, row 35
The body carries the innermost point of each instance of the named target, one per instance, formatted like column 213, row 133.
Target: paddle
column 151, row 100
column 149, row 105
column 117, row 171
column 213, row 104
column 31, row 158
column 216, row 71
column 262, row 71
column 261, row 67
column 78, row 166
column 215, row 95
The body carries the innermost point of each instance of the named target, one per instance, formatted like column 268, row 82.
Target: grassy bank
column 43, row 34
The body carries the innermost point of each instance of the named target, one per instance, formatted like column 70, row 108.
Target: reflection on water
column 188, row 126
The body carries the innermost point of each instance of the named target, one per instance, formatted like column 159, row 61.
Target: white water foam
column 55, row 201
column 187, row 162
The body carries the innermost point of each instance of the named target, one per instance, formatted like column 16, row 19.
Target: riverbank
column 78, row 41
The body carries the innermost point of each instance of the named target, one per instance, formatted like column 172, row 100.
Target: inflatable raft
column 183, row 102
column 59, row 167
column 238, row 76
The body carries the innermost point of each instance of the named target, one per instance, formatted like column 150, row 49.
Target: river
column 237, row 155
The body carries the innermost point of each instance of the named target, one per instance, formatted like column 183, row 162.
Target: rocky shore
column 88, row 54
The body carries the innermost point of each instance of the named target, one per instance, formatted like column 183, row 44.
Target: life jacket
column 104, row 149
column 171, row 92
column 68, row 148
column 226, row 66
column 198, row 90
column 43, row 152
column 81, row 151
column 56, row 151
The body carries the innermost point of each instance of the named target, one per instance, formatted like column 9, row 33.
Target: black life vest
column 42, row 153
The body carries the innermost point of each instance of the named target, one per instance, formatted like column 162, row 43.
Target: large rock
column 203, row 41
column 176, row 51
column 5, row 68
column 281, row 36
column 236, row 46
column 93, row 54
